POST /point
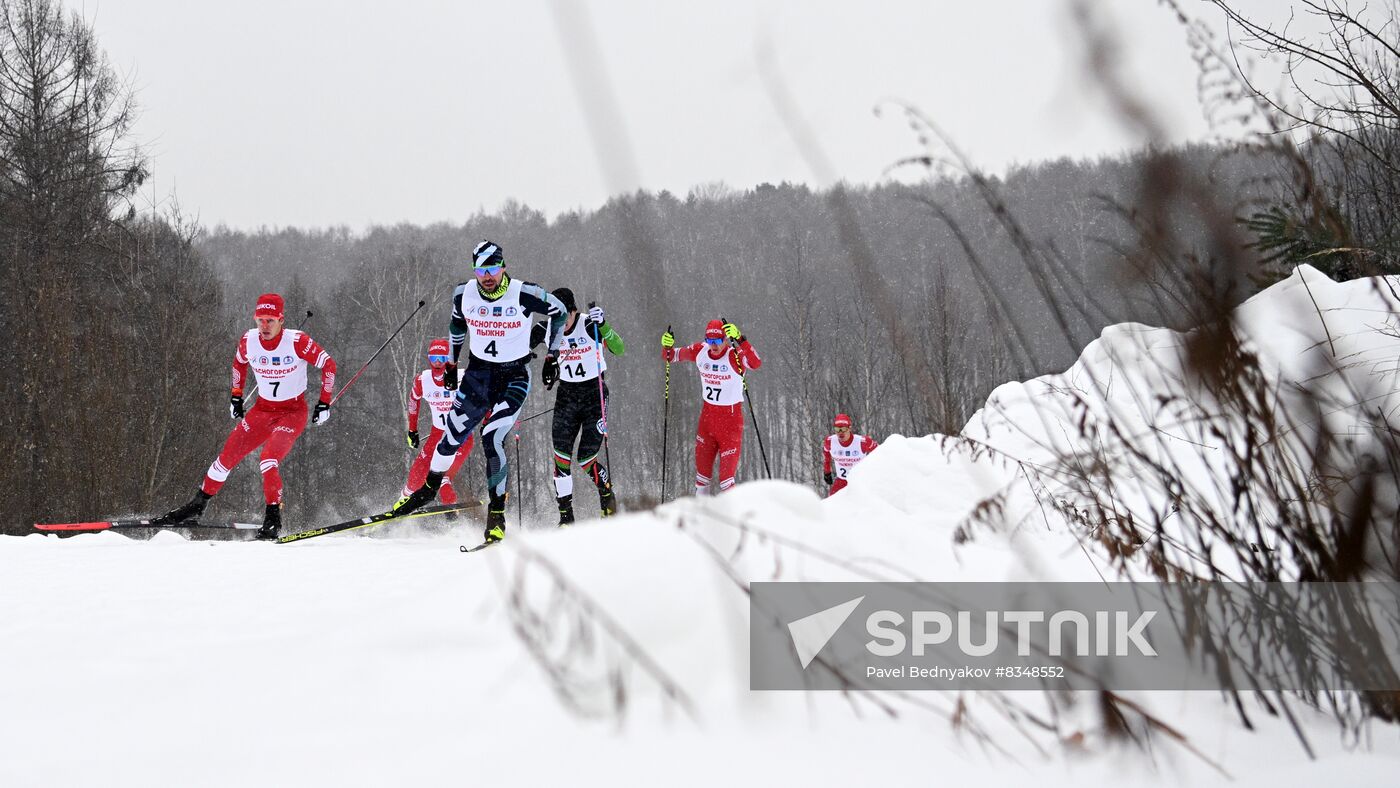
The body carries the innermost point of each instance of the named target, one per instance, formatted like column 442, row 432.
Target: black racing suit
column 491, row 390
column 579, row 412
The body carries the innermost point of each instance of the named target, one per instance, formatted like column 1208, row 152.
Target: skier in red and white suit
column 841, row 452
column 722, row 368
column 278, row 359
column 429, row 387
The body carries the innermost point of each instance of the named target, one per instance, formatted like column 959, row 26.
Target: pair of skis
column 348, row 525
column 364, row 522
column 104, row 525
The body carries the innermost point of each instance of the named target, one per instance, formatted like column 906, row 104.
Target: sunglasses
column 709, row 341
column 489, row 270
column 437, row 359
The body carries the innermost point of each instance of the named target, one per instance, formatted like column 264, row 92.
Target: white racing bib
column 499, row 330
column 438, row 398
column 580, row 358
column 280, row 372
column 844, row 458
column 720, row 382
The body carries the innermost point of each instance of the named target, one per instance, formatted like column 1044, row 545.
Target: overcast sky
column 292, row 112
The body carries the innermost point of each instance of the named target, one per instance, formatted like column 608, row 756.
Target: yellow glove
column 732, row 331
column 668, row 340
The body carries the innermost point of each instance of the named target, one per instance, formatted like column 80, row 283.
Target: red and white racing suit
column 844, row 457
column 721, row 427
column 427, row 387
column 278, row 416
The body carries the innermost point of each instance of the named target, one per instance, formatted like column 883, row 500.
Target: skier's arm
column 868, row 445
column 612, row 340
column 749, row 355
column 415, row 395
column 240, row 367
column 537, row 300
column 826, row 456
column 687, row 353
column 457, row 329
column 314, row 355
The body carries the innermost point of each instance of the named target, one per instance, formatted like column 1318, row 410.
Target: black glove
column 550, row 373
column 827, row 477
column 413, row 439
column 449, row 375
column 235, row 406
column 321, row 414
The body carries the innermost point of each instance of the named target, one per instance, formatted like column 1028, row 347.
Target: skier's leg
column 504, row 411
column 286, row 428
column 563, row 431
column 473, row 399
column 447, row 494
column 706, row 447
column 590, row 445
column 419, row 469
column 513, row 387
column 251, row 431
column 731, row 440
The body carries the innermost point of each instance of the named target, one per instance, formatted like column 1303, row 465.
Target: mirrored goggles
column 489, row 270
column 438, row 359
column 710, row 341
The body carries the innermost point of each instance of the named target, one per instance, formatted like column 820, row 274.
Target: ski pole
column 665, row 422
column 356, row 377
column 253, row 389
column 602, row 399
column 752, row 414
column 536, row 416
column 519, row 490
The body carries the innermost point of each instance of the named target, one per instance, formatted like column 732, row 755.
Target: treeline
column 104, row 314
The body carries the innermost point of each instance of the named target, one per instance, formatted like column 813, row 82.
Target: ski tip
column 97, row 526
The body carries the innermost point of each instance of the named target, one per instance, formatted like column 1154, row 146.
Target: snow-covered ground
column 609, row 652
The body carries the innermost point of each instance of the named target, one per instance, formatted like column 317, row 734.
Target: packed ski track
column 399, row 659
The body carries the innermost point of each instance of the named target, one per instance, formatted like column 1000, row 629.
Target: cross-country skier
column 429, row 387
column 279, row 359
column 578, row 408
column 493, row 317
column 843, row 450
column 722, row 369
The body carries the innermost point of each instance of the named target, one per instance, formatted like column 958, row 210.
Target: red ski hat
column 439, row 347
column 269, row 305
column 842, row 420
column 715, row 330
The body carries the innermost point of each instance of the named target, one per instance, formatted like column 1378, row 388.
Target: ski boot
column 272, row 522
column 496, row 519
column 566, row 511
column 420, row 496
column 607, row 503
column 190, row 511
